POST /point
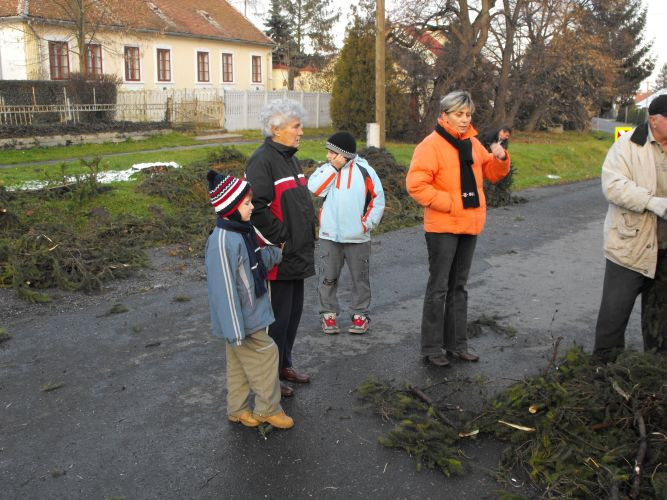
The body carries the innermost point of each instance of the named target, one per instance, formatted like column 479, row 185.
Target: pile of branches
column 500, row 193
column 400, row 209
column 39, row 253
column 60, row 256
column 587, row 430
column 578, row 430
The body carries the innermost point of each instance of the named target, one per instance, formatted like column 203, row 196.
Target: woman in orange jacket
column 446, row 177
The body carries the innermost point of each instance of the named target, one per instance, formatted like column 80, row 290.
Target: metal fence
column 242, row 108
column 233, row 110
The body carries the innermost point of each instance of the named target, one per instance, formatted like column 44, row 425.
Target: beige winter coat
column 629, row 180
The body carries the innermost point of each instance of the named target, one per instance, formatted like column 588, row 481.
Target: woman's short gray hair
column 456, row 101
column 278, row 113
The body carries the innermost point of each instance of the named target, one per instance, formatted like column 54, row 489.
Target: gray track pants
column 332, row 257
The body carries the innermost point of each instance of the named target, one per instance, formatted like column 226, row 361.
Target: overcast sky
column 656, row 25
column 656, row 28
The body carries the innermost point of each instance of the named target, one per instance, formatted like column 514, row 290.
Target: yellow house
column 307, row 79
column 147, row 44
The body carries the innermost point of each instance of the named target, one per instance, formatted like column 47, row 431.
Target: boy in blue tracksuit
column 353, row 206
column 241, row 311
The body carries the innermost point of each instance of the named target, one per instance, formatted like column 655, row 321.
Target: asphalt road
column 141, row 412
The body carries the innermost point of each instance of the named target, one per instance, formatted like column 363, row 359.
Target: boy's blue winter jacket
column 235, row 310
column 353, row 202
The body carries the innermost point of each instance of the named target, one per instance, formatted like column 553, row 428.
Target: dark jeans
column 287, row 304
column 619, row 292
column 445, row 313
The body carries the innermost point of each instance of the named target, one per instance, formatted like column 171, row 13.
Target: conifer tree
column 353, row 93
column 661, row 79
column 619, row 24
column 310, row 25
column 279, row 31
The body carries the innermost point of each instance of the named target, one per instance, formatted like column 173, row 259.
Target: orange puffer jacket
column 434, row 181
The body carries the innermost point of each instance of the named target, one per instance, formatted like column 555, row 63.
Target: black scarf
column 469, row 193
column 247, row 231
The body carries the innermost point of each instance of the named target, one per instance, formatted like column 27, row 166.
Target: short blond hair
column 456, row 101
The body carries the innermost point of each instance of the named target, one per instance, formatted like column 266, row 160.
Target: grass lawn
column 109, row 226
column 158, row 141
column 567, row 157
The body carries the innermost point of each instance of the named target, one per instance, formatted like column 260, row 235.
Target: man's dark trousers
column 619, row 292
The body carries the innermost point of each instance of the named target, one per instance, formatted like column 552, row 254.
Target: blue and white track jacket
column 353, row 200
column 235, row 310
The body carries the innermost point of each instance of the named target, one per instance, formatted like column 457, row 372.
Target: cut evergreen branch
column 578, row 430
column 595, row 426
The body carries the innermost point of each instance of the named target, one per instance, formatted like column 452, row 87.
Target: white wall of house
column 182, row 54
column 12, row 53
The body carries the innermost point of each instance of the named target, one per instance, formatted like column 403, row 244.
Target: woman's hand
column 498, row 151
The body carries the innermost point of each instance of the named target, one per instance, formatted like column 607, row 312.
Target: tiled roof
column 204, row 18
column 641, row 96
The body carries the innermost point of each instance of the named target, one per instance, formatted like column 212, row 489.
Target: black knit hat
column 342, row 143
column 226, row 192
column 658, row 106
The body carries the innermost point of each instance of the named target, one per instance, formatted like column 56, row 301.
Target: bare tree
column 86, row 17
column 504, row 29
column 465, row 27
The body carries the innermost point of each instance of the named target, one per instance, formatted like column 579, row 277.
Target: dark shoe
column 438, row 360
column 465, row 356
column 291, row 375
column 286, row 391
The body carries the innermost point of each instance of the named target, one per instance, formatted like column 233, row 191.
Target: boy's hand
column 336, row 160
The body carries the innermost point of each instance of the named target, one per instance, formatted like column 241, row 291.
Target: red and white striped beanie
column 226, row 192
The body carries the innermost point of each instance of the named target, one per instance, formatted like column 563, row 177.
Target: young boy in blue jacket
column 353, row 206
column 240, row 307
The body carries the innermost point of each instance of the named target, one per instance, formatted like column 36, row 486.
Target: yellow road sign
column 620, row 131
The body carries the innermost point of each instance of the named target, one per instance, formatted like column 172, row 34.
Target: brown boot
column 465, row 356
column 281, row 421
column 438, row 360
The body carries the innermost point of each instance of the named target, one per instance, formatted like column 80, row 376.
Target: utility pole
column 379, row 70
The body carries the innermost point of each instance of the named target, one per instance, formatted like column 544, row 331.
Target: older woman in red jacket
column 446, row 177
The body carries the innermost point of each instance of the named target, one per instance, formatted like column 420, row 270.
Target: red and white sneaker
column 359, row 324
column 329, row 324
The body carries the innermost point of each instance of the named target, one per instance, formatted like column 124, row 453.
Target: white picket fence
column 241, row 108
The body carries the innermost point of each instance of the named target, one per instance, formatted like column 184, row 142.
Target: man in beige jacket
column 634, row 181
